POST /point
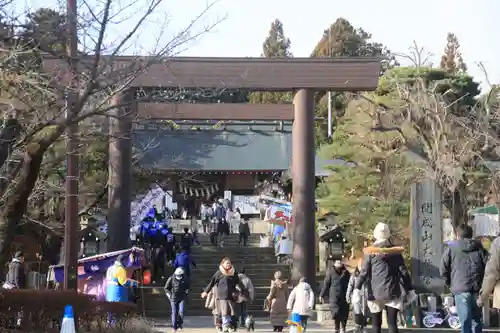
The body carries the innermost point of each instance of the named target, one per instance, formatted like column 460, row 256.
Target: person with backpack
column 177, row 289
column 170, row 245
column 187, row 240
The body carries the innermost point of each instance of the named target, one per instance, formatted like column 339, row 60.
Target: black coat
column 225, row 285
column 385, row 272
column 463, row 264
column 336, row 283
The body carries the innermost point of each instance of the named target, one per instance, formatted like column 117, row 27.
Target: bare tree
column 38, row 78
column 443, row 136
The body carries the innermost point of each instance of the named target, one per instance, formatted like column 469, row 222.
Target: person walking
column 387, row 278
column 244, row 301
column 187, row 240
column 225, row 282
column 236, row 220
column 463, row 269
column 206, row 216
column 183, row 260
column 277, row 298
column 170, row 245
column 16, row 277
column 336, row 283
column 244, row 231
column 358, row 307
column 491, row 280
column 177, row 289
column 301, row 302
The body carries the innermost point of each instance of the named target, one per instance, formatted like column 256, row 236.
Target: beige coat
column 491, row 281
column 301, row 299
column 278, row 295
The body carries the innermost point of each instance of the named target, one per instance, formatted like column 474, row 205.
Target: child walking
column 301, row 302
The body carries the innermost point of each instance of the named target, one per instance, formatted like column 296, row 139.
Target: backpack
column 170, row 238
column 187, row 240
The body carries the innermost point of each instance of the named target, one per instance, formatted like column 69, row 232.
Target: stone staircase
column 260, row 265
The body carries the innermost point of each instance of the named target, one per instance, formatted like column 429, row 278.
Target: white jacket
column 301, row 299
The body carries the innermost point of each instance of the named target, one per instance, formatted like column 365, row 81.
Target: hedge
column 42, row 311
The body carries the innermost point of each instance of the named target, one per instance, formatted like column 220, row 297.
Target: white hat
column 381, row 232
column 337, row 263
column 179, row 271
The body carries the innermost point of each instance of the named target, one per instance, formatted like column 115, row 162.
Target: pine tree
column 452, row 60
column 276, row 44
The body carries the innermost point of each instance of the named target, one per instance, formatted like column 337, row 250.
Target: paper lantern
column 146, row 278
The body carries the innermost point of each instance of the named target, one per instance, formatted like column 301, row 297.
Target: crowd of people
column 380, row 282
column 220, row 221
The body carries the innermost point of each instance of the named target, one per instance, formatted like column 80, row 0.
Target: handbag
column 267, row 305
column 210, row 302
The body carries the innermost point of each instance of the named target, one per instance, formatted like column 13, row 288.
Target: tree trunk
column 15, row 206
column 456, row 202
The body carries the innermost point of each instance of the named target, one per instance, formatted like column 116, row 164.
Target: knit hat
column 381, row 232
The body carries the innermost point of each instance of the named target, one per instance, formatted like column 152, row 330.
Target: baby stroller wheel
column 454, row 322
column 428, row 321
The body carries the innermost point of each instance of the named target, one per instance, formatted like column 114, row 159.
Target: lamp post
column 71, row 193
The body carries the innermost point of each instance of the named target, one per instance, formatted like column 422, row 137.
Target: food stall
column 92, row 270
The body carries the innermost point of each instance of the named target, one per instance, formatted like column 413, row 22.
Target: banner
column 248, row 204
column 153, row 197
column 279, row 214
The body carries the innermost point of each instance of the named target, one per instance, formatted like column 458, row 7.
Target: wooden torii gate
column 302, row 76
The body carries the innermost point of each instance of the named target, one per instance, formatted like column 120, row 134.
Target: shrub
column 42, row 311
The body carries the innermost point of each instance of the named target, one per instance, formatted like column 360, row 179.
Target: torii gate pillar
column 303, row 213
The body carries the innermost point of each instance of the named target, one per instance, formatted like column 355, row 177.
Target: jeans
column 177, row 313
column 243, row 307
column 468, row 312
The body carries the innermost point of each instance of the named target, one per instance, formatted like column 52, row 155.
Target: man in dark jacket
column 337, row 282
column 244, row 231
column 177, row 289
column 187, row 240
column 16, row 278
column 462, row 268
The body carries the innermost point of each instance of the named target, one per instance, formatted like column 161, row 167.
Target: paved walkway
column 205, row 324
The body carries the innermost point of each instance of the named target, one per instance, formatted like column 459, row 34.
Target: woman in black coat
column 337, row 282
column 387, row 279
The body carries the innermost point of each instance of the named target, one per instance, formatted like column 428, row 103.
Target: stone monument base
column 323, row 313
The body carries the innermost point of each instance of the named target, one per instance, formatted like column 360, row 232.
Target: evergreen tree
column 46, row 29
column 451, row 60
column 276, row 45
column 342, row 39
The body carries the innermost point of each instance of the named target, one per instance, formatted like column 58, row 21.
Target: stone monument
column 426, row 237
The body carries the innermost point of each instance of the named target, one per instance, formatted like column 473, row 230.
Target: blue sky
column 395, row 23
